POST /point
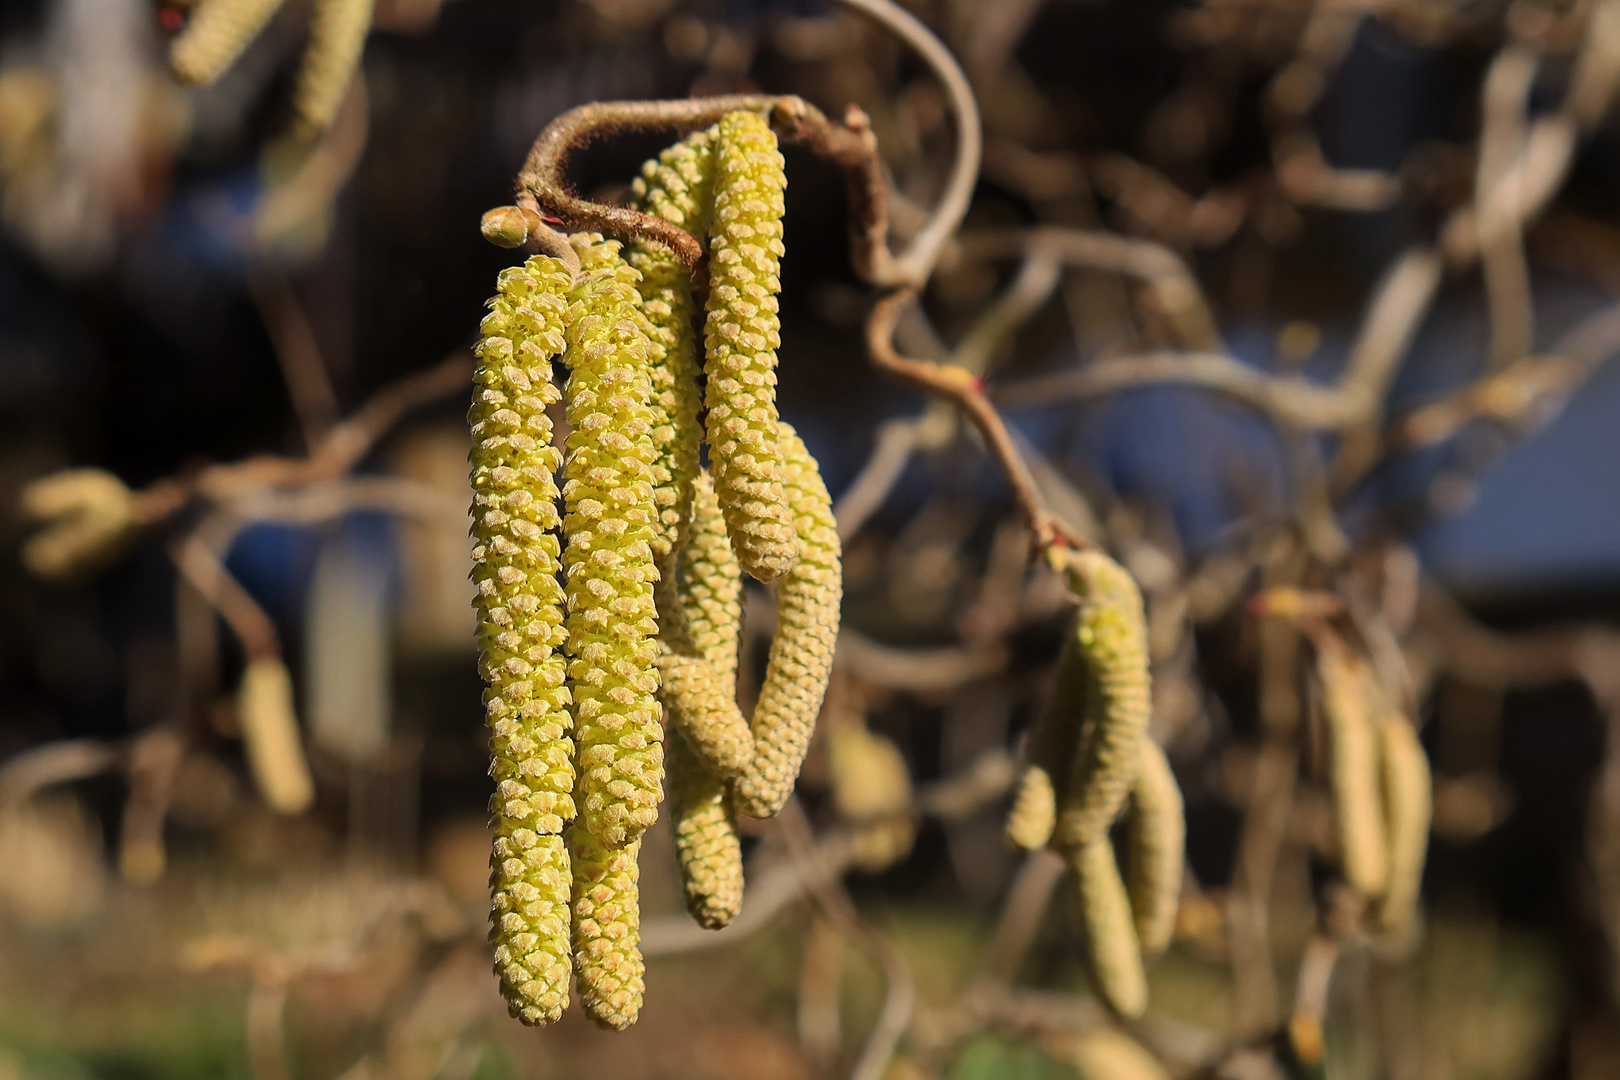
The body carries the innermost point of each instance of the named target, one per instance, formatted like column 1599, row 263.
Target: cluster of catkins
column 609, row 605
column 218, row 31
column 1379, row 778
column 1090, row 757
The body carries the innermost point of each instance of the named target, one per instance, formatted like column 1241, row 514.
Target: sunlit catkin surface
column 609, row 508
column 741, row 337
column 808, row 601
column 520, row 634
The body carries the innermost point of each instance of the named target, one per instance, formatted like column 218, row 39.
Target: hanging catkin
column 677, row 186
column 520, row 634
column 741, row 338
column 1347, row 697
column 337, row 35
column 88, row 516
column 1408, row 810
column 711, row 583
column 1050, row 752
column 1113, row 957
column 1110, row 637
column 871, row 788
column 699, row 694
column 1034, row 810
column 608, row 521
column 1157, row 833
column 275, row 752
column 215, row 35
column 709, row 597
column 706, row 841
column 607, row 928
column 807, row 609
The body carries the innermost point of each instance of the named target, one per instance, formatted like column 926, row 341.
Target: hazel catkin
column 215, row 34
column 521, row 633
column 1113, row 957
column 709, row 596
column 607, row 928
column 1156, row 831
column 1034, row 810
column 275, row 752
column 808, row 602
column 871, row 787
column 1408, row 800
column 608, row 520
column 88, row 513
column 677, row 186
column 337, row 36
column 1110, row 638
column 706, row 842
column 1347, row 700
column 741, row 336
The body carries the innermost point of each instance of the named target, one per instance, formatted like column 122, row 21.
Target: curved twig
column 917, row 262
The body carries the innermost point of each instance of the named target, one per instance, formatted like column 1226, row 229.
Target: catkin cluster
column 1090, row 757
column 220, row 30
column 606, row 618
column 1380, row 782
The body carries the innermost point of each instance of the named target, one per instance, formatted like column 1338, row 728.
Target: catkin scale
column 1105, row 1054
column 808, row 602
column 741, row 336
column 1110, row 637
column 1408, row 810
column 1113, row 957
column 215, row 35
column 337, row 36
column 275, row 752
column 1353, row 769
column 521, row 634
column 607, row 928
column 677, row 186
column 1156, row 831
column 608, row 521
column 706, row 842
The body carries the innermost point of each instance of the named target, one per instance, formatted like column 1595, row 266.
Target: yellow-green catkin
column 1110, row 637
column 677, row 186
column 520, row 634
column 741, row 336
column 1050, row 751
column 1353, row 770
column 1105, row 1054
column 337, row 36
column 1034, row 810
column 607, row 928
column 275, row 752
column 709, row 595
column 89, row 514
column 215, row 35
column 1157, row 843
column 608, row 520
column 808, row 601
column 711, row 584
column 1408, row 811
column 1113, row 957
column 706, row 842
column 699, row 616
column 702, row 705
column 871, row 788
